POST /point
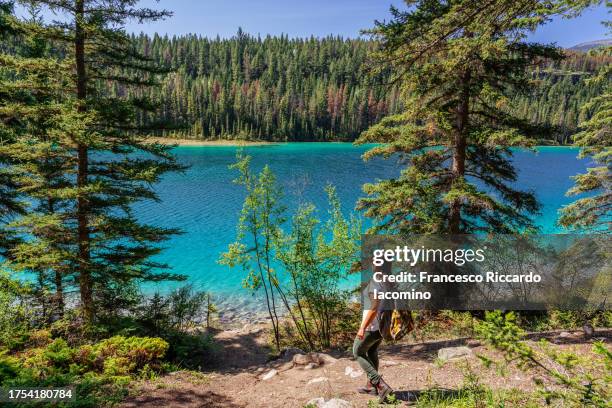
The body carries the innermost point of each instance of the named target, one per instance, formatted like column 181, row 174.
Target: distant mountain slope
column 591, row 44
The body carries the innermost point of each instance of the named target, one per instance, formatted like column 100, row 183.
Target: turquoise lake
column 205, row 204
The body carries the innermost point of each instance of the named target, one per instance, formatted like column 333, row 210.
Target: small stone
column 310, row 366
column 451, row 353
column 336, row 403
column 301, row 359
column 356, row 373
column 388, row 363
column 350, row 371
column 564, row 334
column 317, row 380
column 269, row 374
column 260, row 369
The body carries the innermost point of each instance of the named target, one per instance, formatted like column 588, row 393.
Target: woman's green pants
column 365, row 352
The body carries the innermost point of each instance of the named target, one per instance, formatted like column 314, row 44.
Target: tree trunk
column 85, row 283
column 58, row 274
column 459, row 149
column 59, row 294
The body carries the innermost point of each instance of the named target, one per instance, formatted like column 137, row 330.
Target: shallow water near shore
column 205, row 204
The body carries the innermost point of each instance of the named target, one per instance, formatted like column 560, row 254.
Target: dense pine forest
column 284, row 89
column 319, row 89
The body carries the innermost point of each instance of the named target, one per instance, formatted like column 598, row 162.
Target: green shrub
column 15, row 315
column 100, row 372
column 134, row 351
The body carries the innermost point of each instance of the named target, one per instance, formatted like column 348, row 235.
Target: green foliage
column 176, row 318
column 559, row 374
column 99, row 371
column 315, row 255
column 15, row 312
column 564, row 319
column 446, row 324
column 481, row 397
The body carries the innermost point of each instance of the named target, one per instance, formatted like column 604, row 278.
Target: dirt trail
column 236, row 380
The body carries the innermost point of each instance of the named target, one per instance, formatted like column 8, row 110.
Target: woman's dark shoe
column 368, row 389
column 383, row 390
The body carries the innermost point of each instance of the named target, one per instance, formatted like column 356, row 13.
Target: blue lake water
column 205, row 204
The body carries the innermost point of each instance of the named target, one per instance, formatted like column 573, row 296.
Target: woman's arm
column 368, row 318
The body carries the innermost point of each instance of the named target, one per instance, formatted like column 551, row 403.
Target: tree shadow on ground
column 238, row 351
column 181, row 398
column 426, row 351
column 412, row 396
column 572, row 336
column 423, row 351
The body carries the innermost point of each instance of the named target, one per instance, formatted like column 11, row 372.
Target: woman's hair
column 385, row 268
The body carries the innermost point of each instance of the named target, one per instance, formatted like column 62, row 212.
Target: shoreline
column 198, row 142
column 255, row 143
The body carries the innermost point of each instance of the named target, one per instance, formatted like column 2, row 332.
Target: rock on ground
column 269, row 374
column 312, row 358
column 332, row 403
column 288, row 353
column 350, row 371
column 450, row 353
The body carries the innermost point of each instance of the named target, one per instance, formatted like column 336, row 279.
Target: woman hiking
column 365, row 346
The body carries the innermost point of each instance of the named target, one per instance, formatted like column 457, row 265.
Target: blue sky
column 301, row 18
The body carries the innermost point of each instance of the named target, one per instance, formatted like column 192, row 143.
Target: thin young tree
column 114, row 165
column 458, row 62
column 258, row 231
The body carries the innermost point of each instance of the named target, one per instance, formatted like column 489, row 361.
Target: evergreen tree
column 113, row 164
column 459, row 62
column 32, row 85
column 594, row 212
column 10, row 205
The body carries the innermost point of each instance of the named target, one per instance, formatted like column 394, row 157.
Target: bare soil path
column 236, row 377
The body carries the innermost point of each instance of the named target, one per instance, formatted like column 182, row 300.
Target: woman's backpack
column 395, row 324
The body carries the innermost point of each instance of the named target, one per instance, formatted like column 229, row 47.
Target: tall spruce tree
column 458, row 62
column 594, row 212
column 113, row 165
column 39, row 164
column 10, row 203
